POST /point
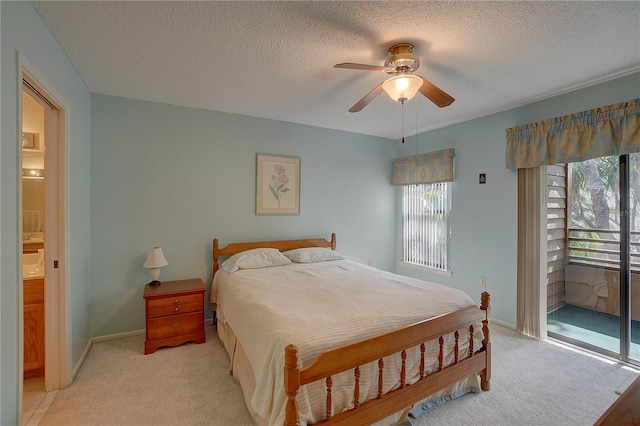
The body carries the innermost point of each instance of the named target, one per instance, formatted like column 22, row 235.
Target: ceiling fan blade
column 363, row 67
column 367, row 99
column 435, row 94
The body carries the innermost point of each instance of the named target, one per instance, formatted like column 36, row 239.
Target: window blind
column 426, row 219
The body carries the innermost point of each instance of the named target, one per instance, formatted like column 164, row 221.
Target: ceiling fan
column 403, row 85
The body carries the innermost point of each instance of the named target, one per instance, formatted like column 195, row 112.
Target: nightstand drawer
column 174, row 325
column 173, row 301
column 161, row 311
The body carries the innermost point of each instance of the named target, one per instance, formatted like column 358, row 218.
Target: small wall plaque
column 482, row 178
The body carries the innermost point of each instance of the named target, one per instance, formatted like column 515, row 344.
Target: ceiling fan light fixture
column 401, row 88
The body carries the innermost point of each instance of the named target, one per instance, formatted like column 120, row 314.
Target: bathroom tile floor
column 35, row 401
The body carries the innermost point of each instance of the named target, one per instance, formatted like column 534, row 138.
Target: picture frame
column 277, row 185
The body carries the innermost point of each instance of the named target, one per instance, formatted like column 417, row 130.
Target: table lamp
column 155, row 261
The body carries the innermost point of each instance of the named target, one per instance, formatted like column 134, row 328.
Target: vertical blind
column 599, row 132
column 426, row 208
column 426, row 213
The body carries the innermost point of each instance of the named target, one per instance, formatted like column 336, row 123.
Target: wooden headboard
column 282, row 245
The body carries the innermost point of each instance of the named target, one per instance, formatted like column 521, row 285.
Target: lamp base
column 155, row 283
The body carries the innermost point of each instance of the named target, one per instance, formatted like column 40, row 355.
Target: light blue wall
column 178, row 177
column 485, row 217
column 24, row 31
column 142, row 174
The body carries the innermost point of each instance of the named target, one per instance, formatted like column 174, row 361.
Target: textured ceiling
column 275, row 59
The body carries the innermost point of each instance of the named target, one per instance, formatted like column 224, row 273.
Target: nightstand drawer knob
column 176, row 309
column 175, row 325
column 175, row 302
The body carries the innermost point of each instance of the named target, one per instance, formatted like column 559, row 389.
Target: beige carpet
column 534, row 383
column 119, row 385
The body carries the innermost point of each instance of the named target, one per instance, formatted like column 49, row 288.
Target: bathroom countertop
column 32, row 272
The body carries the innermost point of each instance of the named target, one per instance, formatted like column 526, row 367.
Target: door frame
column 58, row 371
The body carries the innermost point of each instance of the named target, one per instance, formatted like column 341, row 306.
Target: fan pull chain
column 416, row 109
column 402, row 121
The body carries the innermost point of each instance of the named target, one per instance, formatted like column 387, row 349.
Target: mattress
column 316, row 307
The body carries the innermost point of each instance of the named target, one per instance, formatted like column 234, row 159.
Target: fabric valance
column 430, row 167
column 609, row 130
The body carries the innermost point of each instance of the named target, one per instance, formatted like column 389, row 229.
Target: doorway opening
column 42, row 212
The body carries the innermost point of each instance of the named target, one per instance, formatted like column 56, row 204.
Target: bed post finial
column 291, row 384
column 333, row 241
column 215, row 255
column 485, row 375
column 485, row 298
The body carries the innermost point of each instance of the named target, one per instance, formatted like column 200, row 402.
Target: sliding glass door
column 594, row 232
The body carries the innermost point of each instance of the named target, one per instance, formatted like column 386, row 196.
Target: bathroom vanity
column 33, row 285
column 33, row 327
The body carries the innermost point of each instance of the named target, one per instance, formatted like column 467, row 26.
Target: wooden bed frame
column 282, row 245
column 350, row 357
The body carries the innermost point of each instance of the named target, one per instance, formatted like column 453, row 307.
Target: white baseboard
column 80, row 361
column 116, row 336
column 502, row 323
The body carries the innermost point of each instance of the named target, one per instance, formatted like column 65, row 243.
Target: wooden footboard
column 352, row 356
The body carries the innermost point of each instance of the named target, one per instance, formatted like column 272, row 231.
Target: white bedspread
column 323, row 305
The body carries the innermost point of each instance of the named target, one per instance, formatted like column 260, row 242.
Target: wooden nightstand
column 174, row 313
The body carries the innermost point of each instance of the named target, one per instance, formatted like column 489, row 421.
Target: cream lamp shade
column 401, row 88
column 155, row 261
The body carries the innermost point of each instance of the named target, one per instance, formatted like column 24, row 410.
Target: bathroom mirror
column 33, row 210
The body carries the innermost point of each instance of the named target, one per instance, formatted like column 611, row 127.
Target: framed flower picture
column 277, row 185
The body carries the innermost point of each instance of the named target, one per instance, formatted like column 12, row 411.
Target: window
column 426, row 225
column 594, row 205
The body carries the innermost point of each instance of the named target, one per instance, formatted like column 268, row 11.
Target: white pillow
column 253, row 259
column 312, row 254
